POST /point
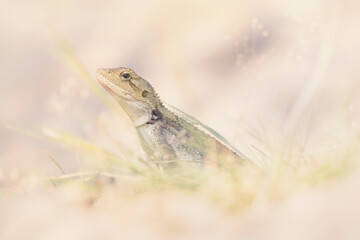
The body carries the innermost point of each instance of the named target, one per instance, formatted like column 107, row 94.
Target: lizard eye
column 144, row 94
column 125, row 76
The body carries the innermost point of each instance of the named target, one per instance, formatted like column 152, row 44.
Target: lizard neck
column 143, row 114
column 158, row 114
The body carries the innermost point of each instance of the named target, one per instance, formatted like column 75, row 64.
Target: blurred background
column 279, row 79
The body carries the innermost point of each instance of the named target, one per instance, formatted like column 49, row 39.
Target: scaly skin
column 165, row 136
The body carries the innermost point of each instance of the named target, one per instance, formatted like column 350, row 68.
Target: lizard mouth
column 115, row 90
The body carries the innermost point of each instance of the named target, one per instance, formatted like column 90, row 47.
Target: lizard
column 167, row 135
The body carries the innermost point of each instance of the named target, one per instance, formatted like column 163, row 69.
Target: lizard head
column 136, row 96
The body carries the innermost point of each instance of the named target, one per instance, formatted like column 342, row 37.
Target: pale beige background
column 285, row 71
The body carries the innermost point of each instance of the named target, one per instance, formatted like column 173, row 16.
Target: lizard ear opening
column 144, row 94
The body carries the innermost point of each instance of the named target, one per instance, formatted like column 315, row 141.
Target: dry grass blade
column 68, row 56
column 75, row 143
column 93, row 175
column 57, row 164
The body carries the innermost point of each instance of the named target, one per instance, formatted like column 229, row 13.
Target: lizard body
column 165, row 136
